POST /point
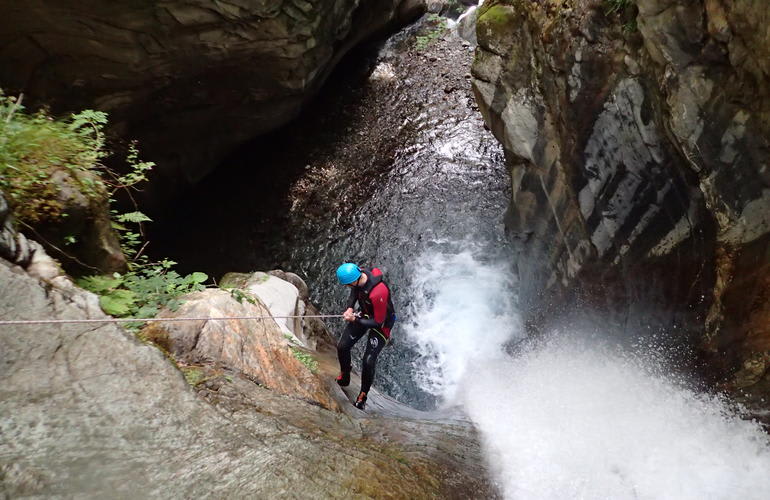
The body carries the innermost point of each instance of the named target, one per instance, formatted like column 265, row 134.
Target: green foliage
column 147, row 286
column 33, row 147
column 144, row 290
column 139, row 169
column 438, row 27
column 241, row 295
column 135, row 217
column 305, row 358
column 616, row 6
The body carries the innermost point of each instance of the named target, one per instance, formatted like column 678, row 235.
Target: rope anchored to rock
column 150, row 320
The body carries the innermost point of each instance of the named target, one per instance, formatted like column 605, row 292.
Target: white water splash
column 463, row 311
column 571, row 418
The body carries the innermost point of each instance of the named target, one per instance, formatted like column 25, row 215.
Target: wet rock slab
column 89, row 411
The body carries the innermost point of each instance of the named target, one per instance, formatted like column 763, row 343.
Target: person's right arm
column 348, row 314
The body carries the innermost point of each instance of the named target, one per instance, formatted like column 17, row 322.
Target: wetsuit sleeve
column 352, row 298
column 379, row 297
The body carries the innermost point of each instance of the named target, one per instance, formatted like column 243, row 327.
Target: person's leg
column 349, row 337
column 374, row 345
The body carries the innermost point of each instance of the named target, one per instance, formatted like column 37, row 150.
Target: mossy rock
column 499, row 25
column 234, row 280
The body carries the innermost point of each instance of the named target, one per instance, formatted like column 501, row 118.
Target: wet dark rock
column 638, row 145
column 188, row 79
column 14, row 247
column 96, row 248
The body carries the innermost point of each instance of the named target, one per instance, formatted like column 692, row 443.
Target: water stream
column 395, row 168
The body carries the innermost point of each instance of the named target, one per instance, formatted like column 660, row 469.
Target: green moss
column 496, row 15
column 193, row 375
column 234, row 280
column 496, row 21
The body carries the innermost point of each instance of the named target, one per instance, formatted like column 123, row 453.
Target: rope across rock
column 4, row 322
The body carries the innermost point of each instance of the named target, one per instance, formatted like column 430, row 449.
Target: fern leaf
column 135, row 217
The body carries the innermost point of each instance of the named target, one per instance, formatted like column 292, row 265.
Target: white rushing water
column 573, row 418
column 451, row 330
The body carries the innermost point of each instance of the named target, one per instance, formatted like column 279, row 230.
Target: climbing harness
column 379, row 332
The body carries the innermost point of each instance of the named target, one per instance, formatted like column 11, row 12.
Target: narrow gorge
column 569, row 200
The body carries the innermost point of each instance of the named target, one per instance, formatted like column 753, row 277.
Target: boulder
column 96, row 248
column 285, row 294
column 258, row 348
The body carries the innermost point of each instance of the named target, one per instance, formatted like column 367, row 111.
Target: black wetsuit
column 377, row 316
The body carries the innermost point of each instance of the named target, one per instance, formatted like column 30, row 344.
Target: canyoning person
column 376, row 315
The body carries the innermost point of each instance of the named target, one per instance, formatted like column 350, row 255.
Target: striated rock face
column 639, row 144
column 88, row 411
column 188, row 79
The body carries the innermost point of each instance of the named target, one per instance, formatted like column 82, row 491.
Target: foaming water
column 571, row 420
column 571, row 417
column 462, row 312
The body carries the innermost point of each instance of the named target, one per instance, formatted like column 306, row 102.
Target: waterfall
column 572, row 416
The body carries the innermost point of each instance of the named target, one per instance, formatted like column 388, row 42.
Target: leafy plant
column 147, row 286
column 34, row 147
column 439, row 26
column 304, row 357
column 142, row 292
column 616, row 6
column 241, row 295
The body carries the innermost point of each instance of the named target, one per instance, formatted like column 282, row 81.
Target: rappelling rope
column 149, row 320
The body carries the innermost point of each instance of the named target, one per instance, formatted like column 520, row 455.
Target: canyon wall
column 189, row 79
column 637, row 138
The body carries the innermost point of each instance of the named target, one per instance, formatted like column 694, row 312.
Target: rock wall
column 638, row 141
column 188, row 78
column 89, row 411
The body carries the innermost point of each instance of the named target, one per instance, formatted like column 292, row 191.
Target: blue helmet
column 347, row 273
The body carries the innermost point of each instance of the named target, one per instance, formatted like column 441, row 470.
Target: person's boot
column 361, row 401
column 343, row 379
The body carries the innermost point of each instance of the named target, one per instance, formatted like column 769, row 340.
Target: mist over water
column 572, row 416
